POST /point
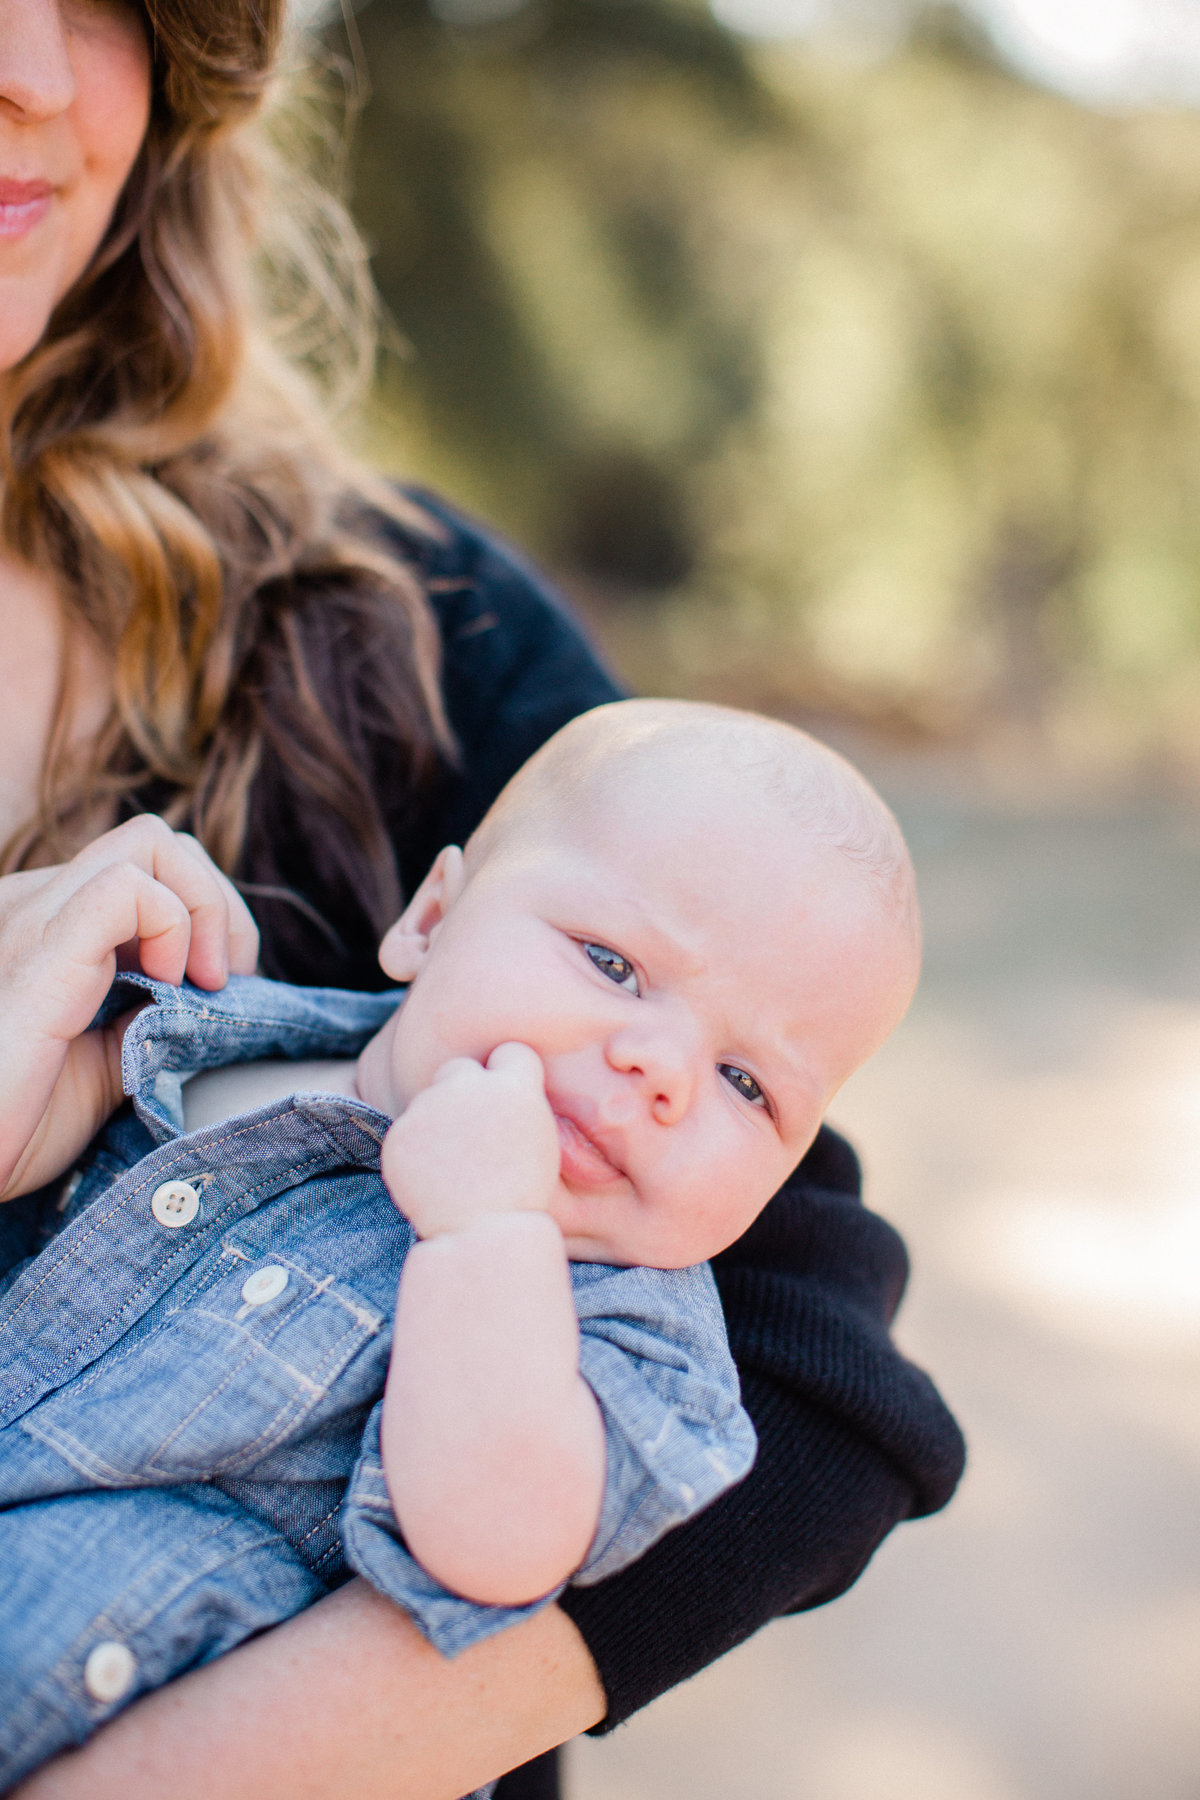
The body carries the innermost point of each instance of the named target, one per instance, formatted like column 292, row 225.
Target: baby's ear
column 401, row 953
column 406, row 943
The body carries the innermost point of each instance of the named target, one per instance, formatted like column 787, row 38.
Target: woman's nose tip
column 37, row 80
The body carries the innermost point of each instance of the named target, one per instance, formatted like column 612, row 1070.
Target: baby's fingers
column 514, row 1061
column 459, row 1068
column 518, row 1061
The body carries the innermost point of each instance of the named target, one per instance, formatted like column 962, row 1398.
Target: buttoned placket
column 112, row 1263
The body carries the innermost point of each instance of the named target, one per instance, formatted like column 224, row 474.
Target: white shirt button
column 264, row 1285
column 175, row 1203
column 109, row 1671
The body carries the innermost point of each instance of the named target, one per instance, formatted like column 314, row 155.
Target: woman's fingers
column 240, row 931
column 181, row 868
column 87, row 1090
column 141, row 891
column 141, row 896
column 222, row 936
column 117, row 904
column 55, row 969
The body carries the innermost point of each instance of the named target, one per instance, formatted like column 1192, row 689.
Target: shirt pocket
column 259, row 1348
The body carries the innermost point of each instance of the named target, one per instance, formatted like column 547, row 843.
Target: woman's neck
column 36, row 643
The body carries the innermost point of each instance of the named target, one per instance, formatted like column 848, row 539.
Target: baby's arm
column 142, row 890
column 493, row 1444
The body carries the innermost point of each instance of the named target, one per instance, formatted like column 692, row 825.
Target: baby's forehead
column 704, row 782
column 683, row 858
column 739, row 797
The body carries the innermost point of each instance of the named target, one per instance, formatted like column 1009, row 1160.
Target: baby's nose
column 662, row 1062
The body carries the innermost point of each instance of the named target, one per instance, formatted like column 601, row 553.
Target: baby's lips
column 583, row 1160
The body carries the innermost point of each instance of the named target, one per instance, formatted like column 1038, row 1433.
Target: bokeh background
column 842, row 358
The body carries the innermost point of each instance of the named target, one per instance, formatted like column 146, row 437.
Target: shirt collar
column 186, row 1029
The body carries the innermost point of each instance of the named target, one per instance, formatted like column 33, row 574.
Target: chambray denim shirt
column 191, row 1371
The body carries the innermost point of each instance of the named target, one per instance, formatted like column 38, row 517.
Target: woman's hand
column 141, row 896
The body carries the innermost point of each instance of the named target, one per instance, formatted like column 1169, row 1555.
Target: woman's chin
column 23, row 322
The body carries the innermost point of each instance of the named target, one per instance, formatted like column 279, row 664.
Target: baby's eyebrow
column 670, row 948
column 667, row 945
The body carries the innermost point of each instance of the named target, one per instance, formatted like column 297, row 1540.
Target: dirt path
column 1034, row 1130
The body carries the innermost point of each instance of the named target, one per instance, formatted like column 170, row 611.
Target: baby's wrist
column 493, row 1230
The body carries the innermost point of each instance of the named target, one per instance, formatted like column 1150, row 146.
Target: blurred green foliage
column 861, row 384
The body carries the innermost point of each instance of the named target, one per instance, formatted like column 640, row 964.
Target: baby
column 628, row 1004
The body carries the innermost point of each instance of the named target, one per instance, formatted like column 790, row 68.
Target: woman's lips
column 583, row 1161
column 23, row 204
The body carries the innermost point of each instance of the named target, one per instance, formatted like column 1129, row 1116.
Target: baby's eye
column 618, row 968
column 743, row 1084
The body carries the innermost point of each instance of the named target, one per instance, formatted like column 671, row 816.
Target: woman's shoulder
column 493, row 605
column 516, row 661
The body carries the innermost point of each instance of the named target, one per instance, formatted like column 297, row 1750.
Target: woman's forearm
column 345, row 1702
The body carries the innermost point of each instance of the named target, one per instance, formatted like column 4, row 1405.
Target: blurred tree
column 526, row 175
column 884, row 376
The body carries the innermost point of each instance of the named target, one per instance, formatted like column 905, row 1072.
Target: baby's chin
column 587, row 1250
column 613, row 1247
column 588, row 1240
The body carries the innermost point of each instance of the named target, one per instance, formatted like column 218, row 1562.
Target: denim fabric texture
column 184, row 1463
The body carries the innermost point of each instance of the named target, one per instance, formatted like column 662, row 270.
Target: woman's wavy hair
column 166, row 455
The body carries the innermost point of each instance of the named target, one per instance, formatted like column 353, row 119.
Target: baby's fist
column 477, row 1141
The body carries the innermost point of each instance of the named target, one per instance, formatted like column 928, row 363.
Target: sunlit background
column 842, row 357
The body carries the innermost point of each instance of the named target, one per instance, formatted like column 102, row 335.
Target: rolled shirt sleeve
column 654, row 1352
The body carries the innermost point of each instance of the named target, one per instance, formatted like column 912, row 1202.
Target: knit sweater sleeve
column 852, row 1438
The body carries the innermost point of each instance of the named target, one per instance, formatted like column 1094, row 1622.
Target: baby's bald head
column 678, row 760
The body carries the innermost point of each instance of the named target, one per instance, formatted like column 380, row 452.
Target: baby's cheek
column 729, row 1205
column 688, row 1229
